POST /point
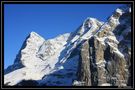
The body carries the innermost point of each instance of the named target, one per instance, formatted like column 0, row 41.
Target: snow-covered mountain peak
column 35, row 35
column 88, row 28
column 90, row 56
column 30, row 47
column 91, row 22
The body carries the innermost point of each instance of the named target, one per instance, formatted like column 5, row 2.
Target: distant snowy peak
column 89, row 24
column 88, row 28
column 33, row 42
column 89, row 21
column 36, row 36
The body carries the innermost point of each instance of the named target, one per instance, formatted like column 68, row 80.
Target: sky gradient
column 48, row 20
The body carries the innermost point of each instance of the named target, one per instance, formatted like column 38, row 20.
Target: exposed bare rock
column 109, row 53
column 84, row 73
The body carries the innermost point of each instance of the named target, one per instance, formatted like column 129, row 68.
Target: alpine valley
column 96, row 54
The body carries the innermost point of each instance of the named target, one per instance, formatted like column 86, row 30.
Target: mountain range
column 96, row 54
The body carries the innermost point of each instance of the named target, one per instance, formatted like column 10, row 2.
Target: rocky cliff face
column 96, row 54
column 105, row 57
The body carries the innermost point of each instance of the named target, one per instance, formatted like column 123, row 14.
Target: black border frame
column 63, row 2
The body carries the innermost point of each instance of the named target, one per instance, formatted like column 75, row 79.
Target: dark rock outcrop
column 27, row 83
column 85, row 74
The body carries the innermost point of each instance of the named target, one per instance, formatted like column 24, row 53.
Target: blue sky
column 48, row 20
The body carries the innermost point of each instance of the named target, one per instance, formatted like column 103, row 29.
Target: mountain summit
column 96, row 54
